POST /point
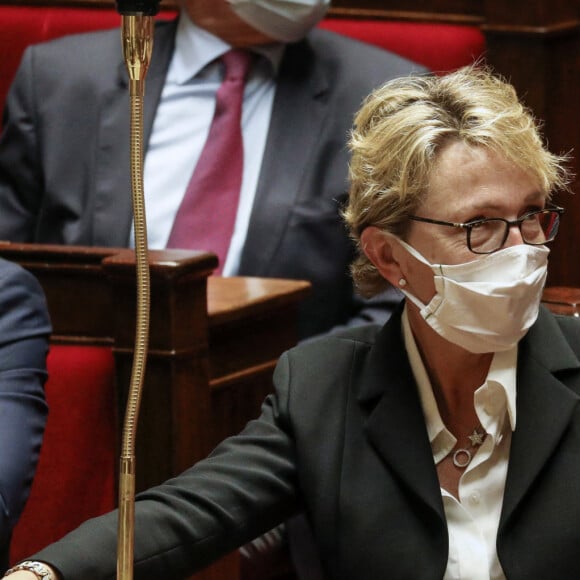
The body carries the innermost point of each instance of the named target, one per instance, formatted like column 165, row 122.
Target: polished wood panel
column 249, row 320
column 452, row 11
column 562, row 300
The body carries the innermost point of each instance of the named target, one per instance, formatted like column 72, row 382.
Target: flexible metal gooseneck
column 137, row 41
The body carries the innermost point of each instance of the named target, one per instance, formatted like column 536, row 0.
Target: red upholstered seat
column 75, row 478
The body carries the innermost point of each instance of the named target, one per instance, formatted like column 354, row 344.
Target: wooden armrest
column 562, row 300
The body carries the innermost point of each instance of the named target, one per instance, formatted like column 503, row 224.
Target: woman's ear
column 378, row 247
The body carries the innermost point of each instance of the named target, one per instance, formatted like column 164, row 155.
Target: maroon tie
column 207, row 214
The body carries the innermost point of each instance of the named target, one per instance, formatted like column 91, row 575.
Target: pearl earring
column 402, row 282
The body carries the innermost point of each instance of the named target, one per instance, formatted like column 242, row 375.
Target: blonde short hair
column 399, row 131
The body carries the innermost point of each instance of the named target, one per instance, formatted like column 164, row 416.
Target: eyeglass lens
column 536, row 228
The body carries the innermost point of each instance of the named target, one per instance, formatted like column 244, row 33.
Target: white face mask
column 283, row 20
column 488, row 304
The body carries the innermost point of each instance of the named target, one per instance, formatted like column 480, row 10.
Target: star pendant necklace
column 462, row 456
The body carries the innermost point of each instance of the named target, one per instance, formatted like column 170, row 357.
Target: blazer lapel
column 544, row 407
column 396, row 426
column 113, row 211
column 298, row 114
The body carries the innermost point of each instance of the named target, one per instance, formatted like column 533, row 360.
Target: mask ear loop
column 415, row 253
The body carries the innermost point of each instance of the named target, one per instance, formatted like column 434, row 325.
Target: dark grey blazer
column 344, row 437
column 64, row 158
column 24, row 330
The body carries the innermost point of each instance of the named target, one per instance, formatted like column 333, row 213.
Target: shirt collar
column 195, row 48
column 497, row 394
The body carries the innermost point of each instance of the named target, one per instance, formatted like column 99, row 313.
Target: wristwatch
column 41, row 571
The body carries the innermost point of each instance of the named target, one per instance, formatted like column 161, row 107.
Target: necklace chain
column 462, row 456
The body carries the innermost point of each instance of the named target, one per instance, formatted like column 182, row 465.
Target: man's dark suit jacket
column 344, row 436
column 64, row 157
column 24, row 330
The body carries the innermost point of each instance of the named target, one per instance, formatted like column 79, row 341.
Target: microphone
column 137, row 39
column 137, row 42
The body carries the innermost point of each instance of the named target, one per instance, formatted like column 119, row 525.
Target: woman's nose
column 514, row 236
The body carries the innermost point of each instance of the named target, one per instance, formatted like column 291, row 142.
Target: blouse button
column 475, row 498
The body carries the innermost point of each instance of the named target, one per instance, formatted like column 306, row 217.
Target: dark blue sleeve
column 24, row 331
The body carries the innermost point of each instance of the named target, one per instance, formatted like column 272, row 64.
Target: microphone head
column 132, row 7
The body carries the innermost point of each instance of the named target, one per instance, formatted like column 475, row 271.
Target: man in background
column 64, row 157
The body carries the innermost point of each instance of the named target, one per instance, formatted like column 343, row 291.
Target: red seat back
column 440, row 47
column 75, row 478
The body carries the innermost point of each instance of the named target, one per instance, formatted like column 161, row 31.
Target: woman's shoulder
column 328, row 363
column 570, row 327
column 321, row 347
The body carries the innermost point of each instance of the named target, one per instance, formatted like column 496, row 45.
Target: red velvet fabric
column 75, row 478
column 440, row 47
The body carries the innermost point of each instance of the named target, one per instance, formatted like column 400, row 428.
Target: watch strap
column 41, row 571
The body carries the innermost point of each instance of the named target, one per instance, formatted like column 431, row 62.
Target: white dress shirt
column 182, row 124
column 472, row 521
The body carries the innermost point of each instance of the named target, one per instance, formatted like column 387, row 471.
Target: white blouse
column 472, row 521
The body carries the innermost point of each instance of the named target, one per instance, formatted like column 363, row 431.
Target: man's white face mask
column 488, row 304
column 283, row 20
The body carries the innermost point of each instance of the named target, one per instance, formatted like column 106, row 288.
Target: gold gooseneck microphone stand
column 137, row 40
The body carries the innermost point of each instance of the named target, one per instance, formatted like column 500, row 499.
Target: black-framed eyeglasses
column 488, row 235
